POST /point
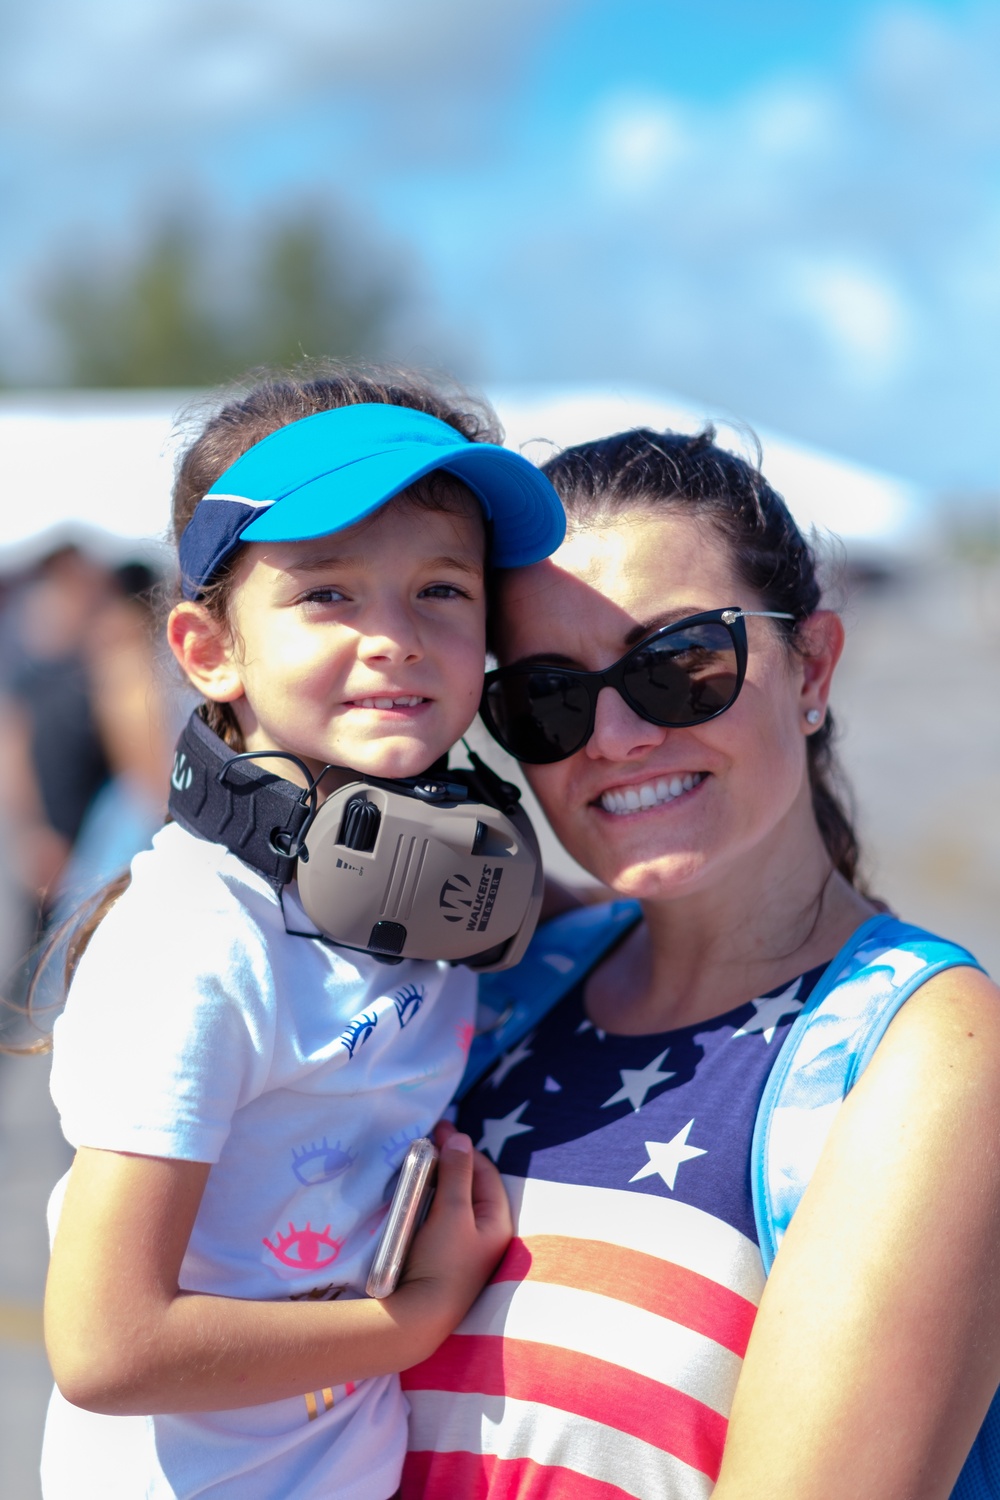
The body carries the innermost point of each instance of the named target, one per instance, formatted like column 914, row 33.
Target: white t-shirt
column 198, row 1028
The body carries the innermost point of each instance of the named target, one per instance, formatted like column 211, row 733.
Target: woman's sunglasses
column 685, row 674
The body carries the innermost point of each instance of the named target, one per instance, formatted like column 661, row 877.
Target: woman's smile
column 643, row 796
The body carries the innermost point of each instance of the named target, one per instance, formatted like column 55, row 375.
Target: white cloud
column 860, row 313
column 109, row 63
column 818, row 251
column 638, row 141
column 791, row 119
column 822, row 256
column 930, row 71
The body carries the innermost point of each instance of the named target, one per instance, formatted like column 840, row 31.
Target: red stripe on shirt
column 473, row 1476
column 644, row 1281
column 578, row 1383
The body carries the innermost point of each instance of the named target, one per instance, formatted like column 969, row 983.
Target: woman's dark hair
column 644, row 470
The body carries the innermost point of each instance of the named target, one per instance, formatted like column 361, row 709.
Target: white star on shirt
column 769, row 1012
column 496, row 1133
column 666, row 1156
column 510, row 1060
column 637, row 1082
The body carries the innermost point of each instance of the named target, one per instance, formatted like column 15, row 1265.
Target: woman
column 613, row 1348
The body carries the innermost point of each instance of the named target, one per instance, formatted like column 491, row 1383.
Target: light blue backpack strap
column 827, row 1048
column 561, row 952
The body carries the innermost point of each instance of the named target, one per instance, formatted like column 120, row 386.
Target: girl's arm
column 877, row 1347
column 124, row 1338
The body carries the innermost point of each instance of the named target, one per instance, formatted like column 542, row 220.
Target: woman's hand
column 458, row 1247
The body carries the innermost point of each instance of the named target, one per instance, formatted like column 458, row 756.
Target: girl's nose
column 619, row 732
column 396, row 639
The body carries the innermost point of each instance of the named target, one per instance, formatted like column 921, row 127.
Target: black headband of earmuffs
column 234, row 802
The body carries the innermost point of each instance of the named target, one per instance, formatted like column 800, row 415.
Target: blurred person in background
column 83, row 741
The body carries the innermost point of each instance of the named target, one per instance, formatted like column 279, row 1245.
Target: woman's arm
column 877, row 1347
column 124, row 1338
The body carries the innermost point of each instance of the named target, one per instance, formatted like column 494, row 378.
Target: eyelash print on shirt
column 357, row 1032
column 407, row 1002
column 396, row 1147
column 322, row 1163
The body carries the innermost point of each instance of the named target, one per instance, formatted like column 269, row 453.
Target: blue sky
column 788, row 212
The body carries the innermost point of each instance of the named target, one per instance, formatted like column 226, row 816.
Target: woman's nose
column 619, row 732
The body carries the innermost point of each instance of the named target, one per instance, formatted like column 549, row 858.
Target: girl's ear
column 204, row 650
column 821, row 640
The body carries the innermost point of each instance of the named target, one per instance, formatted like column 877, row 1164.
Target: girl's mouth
column 647, row 794
column 400, row 701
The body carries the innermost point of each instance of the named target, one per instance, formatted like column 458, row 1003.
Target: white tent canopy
column 99, row 465
column 869, row 510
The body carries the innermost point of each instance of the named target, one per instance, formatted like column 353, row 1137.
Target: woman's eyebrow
column 665, row 617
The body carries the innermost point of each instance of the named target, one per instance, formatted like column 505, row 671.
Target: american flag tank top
column 601, row 1360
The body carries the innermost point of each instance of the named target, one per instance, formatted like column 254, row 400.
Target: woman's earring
column 813, row 716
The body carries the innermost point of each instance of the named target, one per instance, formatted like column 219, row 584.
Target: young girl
column 239, row 1094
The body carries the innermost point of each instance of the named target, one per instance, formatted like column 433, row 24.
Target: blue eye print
column 360, row 1029
column 396, row 1147
column 323, row 1163
column 407, row 1002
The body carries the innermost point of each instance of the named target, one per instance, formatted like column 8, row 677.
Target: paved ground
column 919, row 701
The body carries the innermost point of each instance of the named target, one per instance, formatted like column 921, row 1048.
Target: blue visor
column 325, row 472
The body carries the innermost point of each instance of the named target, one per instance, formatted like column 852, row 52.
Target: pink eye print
column 358, row 1031
column 407, row 1002
column 321, row 1163
column 311, row 1245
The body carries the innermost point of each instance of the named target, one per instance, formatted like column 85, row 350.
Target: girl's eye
column 324, row 596
column 443, row 591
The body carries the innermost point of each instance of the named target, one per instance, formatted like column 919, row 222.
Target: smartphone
column 409, row 1205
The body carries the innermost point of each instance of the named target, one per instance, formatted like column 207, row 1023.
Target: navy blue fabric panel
column 670, row 1113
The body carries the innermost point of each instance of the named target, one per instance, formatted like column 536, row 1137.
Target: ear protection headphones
column 440, row 866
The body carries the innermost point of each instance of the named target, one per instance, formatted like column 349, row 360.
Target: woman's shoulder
column 951, row 1023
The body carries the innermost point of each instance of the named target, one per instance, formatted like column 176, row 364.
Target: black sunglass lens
column 683, row 677
column 539, row 716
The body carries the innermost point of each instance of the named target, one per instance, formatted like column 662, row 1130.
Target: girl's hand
column 458, row 1247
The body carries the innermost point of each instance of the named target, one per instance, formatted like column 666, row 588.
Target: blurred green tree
column 175, row 316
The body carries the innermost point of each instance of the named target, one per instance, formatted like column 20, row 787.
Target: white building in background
column 98, row 465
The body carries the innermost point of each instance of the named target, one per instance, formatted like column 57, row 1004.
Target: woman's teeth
column 650, row 794
column 410, row 702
